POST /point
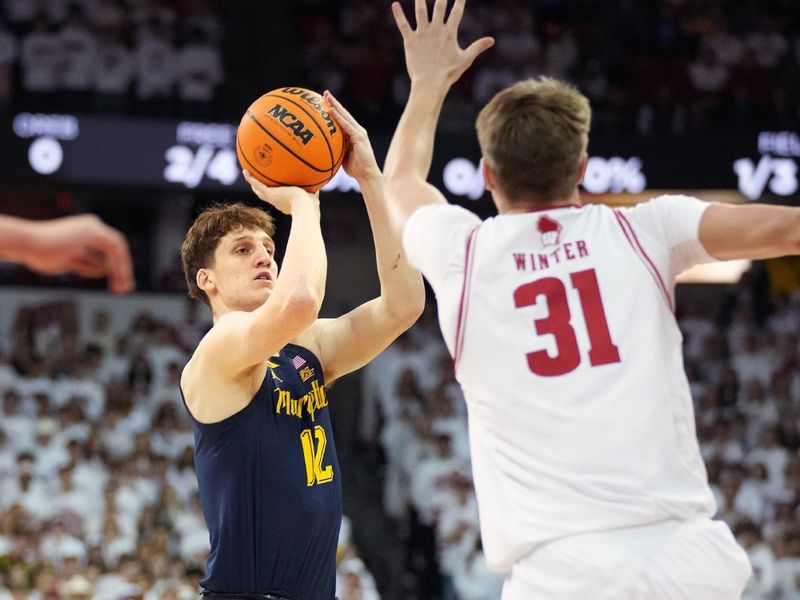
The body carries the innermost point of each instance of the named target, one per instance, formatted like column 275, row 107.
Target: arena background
column 128, row 108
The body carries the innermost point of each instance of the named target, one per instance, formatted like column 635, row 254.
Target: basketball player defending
column 560, row 319
column 256, row 385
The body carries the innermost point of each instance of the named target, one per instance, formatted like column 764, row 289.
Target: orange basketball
column 288, row 137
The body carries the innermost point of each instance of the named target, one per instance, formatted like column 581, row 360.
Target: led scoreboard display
column 156, row 153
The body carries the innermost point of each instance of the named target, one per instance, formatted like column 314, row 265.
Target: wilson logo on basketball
column 291, row 122
column 316, row 102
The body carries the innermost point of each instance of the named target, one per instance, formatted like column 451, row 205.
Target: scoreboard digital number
column 95, row 149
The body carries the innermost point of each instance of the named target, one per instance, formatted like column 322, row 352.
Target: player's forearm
column 305, row 263
column 17, row 236
column 402, row 291
column 411, row 150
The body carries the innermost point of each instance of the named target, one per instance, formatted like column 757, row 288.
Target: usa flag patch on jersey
column 298, row 362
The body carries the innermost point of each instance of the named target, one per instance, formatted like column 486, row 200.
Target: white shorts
column 673, row 560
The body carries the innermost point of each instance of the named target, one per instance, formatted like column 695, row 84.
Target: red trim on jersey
column 633, row 240
column 462, row 306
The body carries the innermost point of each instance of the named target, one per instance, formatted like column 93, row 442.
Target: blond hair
column 533, row 135
column 211, row 225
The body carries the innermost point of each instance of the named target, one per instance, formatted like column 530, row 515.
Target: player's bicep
column 752, row 231
column 241, row 340
column 352, row 340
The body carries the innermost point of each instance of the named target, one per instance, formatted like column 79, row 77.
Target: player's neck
column 534, row 204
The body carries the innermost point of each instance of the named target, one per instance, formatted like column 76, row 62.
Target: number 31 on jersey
column 557, row 323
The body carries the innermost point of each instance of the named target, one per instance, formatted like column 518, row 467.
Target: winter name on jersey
column 538, row 261
column 308, row 404
column 555, row 252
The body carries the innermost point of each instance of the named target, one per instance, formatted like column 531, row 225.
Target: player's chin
column 260, row 295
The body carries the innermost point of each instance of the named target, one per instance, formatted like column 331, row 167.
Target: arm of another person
column 752, row 231
column 81, row 244
column 435, row 62
column 352, row 340
column 240, row 340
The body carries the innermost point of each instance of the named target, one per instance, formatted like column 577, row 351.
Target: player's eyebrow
column 266, row 240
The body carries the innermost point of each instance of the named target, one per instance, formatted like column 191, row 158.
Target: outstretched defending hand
column 432, row 50
column 279, row 197
column 359, row 160
column 81, row 244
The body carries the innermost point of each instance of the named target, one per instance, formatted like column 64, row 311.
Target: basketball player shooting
column 255, row 386
column 560, row 318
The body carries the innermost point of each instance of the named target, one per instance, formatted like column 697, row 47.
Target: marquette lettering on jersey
column 282, row 445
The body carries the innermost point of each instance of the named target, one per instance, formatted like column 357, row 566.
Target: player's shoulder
column 211, row 347
column 665, row 203
column 443, row 214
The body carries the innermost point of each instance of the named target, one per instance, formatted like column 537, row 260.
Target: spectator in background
column 106, row 15
column 17, row 423
column 21, row 14
column 199, row 73
column 113, row 72
column 768, row 44
column 156, row 67
column 473, row 578
column 728, row 47
column 78, row 43
column 40, row 61
column 8, row 55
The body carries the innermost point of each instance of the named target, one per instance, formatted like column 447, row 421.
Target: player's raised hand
column 282, row 198
column 359, row 160
column 432, row 51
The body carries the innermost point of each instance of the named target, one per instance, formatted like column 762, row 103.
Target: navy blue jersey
column 270, row 487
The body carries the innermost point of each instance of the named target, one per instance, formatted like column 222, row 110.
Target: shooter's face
column 245, row 270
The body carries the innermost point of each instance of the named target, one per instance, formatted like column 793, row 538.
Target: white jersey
column 562, row 327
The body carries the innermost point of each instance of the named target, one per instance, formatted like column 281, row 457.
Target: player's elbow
column 305, row 305
column 415, row 306
column 406, row 311
column 300, row 308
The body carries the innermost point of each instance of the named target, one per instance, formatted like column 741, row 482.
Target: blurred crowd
column 656, row 66
column 665, row 66
column 413, row 407
column 140, row 56
column 743, row 364
column 98, row 495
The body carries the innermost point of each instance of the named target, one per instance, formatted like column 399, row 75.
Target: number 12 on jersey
column 313, row 455
column 557, row 323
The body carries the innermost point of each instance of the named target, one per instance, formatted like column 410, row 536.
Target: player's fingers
column 86, row 266
column 477, row 48
column 259, row 189
column 337, row 107
column 400, row 19
column 421, row 12
column 344, row 114
column 454, row 20
column 118, row 262
column 439, row 8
